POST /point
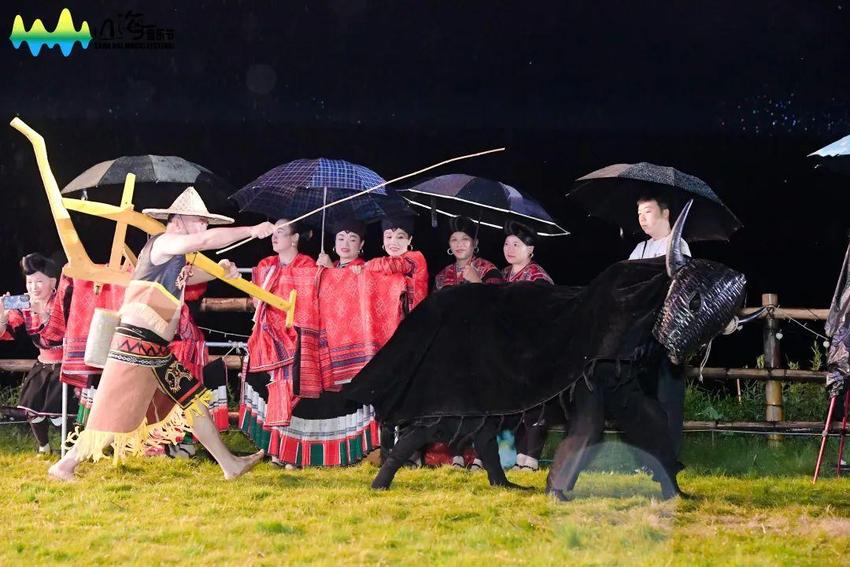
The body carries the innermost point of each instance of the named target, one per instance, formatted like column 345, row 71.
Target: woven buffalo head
column 702, row 301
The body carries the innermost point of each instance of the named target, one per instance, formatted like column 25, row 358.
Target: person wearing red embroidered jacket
column 467, row 268
column 263, row 346
column 401, row 258
column 268, row 390
column 331, row 431
column 519, row 253
column 44, row 322
column 349, row 239
column 520, row 241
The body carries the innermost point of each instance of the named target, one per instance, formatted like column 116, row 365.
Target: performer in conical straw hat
column 140, row 364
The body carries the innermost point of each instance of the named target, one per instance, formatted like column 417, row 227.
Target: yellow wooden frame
column 116, row 272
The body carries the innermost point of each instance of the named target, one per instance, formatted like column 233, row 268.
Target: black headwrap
column 350, row 225
column 464, row 225
column 522, row 231
column 403, row 222
column 35, row 262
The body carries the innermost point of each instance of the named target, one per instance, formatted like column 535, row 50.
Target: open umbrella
column 611, row 193
column 835, row 156
column 298, row 187
column 483, row 200
column 170, row 175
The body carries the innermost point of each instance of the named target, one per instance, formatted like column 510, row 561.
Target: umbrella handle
column 324, row 212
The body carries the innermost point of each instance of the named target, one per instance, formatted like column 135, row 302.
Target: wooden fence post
column 772, row 359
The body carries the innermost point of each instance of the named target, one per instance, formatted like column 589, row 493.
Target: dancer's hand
column 356, row 269
column 262, row 230
column 230, row 270
column 324, row 260
column 470, row 274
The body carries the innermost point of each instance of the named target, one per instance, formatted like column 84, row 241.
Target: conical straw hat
column 188, row 203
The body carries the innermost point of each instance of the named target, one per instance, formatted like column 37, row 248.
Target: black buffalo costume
column 473, row 359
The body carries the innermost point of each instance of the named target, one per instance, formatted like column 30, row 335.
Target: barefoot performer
column 140, row 363
column 141, row 381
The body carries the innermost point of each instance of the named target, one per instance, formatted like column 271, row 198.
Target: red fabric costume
column 46, row 334
column 450, row 275
column 84, row 300
column 412, row 266
column 273, row 347
column 531, row 273
column 358, row 314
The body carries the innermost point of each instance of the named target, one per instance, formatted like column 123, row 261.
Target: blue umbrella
column 298, row 187
column 490, row 203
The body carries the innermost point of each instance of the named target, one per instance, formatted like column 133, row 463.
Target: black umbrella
column 835, row 156
column 169, row 174
column 483, row 200
column 611, row 193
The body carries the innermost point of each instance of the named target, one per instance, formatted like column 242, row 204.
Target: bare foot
column 57, row 472
column 241, row 465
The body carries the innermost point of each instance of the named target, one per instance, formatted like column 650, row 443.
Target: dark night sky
column 736, row 93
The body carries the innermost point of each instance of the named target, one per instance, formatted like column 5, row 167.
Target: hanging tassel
column 704, row 359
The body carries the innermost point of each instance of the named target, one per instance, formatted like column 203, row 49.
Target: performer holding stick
column 140, row 363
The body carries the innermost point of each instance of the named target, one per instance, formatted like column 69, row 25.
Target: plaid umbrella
column 298, row 187
column 611, row 193
column 835, row 156
column 169, row 174
column 489, row 202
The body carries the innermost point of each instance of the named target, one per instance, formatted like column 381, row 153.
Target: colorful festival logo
column 65, row 35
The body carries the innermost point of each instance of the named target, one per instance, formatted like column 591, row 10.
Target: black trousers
column 617, row 395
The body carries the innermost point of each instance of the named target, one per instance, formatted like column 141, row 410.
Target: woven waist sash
column 139, row 346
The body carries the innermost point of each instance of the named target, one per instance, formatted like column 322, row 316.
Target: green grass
column 753, row 505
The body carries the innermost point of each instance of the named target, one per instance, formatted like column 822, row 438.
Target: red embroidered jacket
column 450, row 275
column 412, row 265
column 531, row 273
column 47, row 334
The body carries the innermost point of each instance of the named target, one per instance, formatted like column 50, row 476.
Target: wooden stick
column 823, row 439
column 761, row 374
column 355, row 195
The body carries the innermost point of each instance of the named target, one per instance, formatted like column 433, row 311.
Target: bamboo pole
column 772, row 360
column 799, row 313
column 810, row 427
column 237, row 304
column 760, row 374
column 715, row 373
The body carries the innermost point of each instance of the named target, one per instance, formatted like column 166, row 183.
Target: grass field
column 753, row 505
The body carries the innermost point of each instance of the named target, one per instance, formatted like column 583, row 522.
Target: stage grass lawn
column 753, row 505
